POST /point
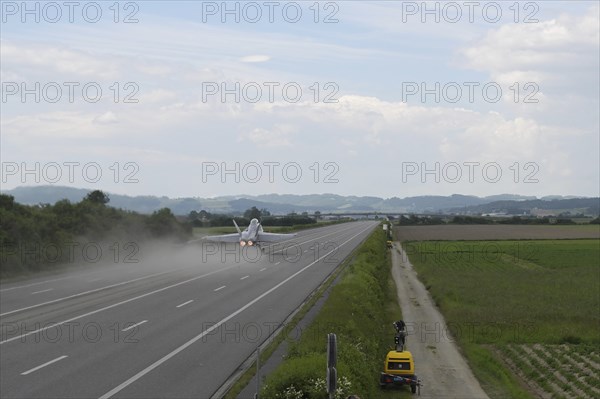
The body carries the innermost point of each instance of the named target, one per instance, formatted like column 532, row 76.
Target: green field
column 504, row 299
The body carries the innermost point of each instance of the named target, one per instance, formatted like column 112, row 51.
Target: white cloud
column 256, row 58
column 278, row 136
column 58, row 59
column 554, row 62
column 367, row 134
column 533, row 50
column 106, row 118
column 158, row 96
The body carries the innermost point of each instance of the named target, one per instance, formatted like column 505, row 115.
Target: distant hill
column 325, row 203
column 587, row 206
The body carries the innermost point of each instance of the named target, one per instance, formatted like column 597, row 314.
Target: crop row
column 558, row 370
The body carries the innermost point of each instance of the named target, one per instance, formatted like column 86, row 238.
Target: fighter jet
column 253, row 235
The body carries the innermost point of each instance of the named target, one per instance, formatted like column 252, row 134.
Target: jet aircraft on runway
column 253, row 235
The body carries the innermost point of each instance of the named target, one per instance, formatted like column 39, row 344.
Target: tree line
column 207, row 219
column 45, row 236
column 33, row 238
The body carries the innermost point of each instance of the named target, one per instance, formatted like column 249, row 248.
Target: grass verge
column 359, row 310
column 266, row 353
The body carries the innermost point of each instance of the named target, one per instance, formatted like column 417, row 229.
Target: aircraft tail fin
column 237, row 228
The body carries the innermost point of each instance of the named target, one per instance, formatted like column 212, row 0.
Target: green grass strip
column 359, row 310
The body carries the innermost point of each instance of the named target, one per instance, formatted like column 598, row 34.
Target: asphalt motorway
column 175, row 325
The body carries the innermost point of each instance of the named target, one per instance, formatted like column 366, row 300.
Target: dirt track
column 438, row 363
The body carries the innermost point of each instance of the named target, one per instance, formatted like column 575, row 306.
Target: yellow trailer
column 399, row 370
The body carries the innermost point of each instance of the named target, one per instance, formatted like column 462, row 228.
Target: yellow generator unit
column 399, row 370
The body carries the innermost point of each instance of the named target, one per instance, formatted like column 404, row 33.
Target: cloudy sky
column 347, row 97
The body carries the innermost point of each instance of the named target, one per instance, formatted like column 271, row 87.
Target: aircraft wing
column 274, row 237
column 234, row 237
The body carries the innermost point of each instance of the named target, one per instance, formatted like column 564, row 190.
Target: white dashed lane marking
column 44, row 365
column 134, row 326
column 39, row 292
column 185, row 303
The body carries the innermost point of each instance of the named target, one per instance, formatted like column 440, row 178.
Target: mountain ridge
column 286, row 203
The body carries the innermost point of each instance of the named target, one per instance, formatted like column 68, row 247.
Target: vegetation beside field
column 44, row 237
column 47, row 237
